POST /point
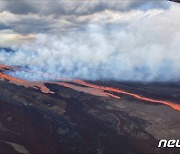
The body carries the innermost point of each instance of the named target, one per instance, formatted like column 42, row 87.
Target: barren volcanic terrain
column 90, row 76
column 91, row 117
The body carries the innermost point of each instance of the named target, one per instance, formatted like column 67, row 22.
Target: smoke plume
column 141, row 46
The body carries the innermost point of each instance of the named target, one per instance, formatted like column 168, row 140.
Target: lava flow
column 3, row 67
column 89, row 88
column 171, row 104
column 41, row 85
column 36, row 85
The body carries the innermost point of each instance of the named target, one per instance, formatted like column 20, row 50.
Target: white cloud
column 50, row 17
column 136, row 45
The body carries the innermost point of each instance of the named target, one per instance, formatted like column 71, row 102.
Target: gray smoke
column 142, row 46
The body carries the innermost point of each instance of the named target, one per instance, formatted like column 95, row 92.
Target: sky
column 22, row 20
column 136, row 40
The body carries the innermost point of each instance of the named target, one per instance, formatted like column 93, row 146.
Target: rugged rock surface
column 71, row 121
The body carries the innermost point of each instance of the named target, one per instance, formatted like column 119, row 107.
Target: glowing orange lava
column 92, row 91
column 3, row 67
column 24, row 83
column 90, row 88
column 2, row 75
column 171, row 104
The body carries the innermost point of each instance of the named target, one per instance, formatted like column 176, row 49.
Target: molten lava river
column 81, row 86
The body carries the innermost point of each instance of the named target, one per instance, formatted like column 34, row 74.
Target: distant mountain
column 175, row 1
column 6, row 49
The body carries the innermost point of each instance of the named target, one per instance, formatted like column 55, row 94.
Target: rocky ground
column 71, row 121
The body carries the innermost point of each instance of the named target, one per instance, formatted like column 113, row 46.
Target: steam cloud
column 142, row 46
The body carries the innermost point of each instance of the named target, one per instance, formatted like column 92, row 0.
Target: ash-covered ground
column 71, row 121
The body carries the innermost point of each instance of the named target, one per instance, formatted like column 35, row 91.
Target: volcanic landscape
column 77, row 116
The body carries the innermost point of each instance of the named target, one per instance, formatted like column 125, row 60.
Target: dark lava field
column 71, row 121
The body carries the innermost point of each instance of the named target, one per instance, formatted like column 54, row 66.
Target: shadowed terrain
column 74, row 121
